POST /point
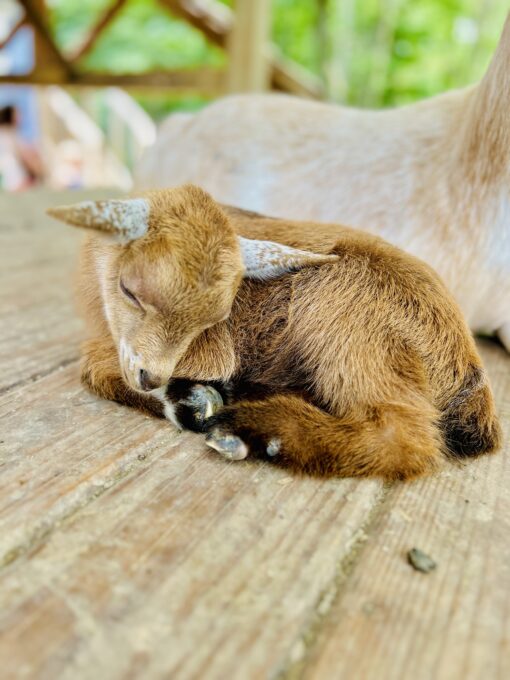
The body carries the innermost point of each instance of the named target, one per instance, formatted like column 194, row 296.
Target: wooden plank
column 204, row 79
column 288, row 76
column 207, row 80
column 60, row 447
column 454, row 623
column 248, row 47
column 173, row 548
column 190, row 567
column 39, row 330
column 210, row 17
column 37, row 19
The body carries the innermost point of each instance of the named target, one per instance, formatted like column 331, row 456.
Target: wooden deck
column 127, row 551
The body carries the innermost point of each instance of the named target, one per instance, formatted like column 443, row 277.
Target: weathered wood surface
column 453, row 623
column 129, row 551
column 39, row 331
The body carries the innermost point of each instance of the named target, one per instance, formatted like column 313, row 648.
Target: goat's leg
column 186, row 403
column 100, row 372
column 393, row 440
column 189, row 404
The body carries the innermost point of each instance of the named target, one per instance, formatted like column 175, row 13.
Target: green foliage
column 142, row 37
column 294, row 30
column 388, row 52
column 369, row 52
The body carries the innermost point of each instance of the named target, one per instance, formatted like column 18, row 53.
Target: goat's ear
column 124, row 220
column 266, row 259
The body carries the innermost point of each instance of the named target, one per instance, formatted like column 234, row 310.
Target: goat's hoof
column 204, row 401
column 228, row 445
column 195, row 405
column 274, row 447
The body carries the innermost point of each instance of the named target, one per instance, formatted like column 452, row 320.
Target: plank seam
column 303, row 648
column 42, row 531
column 39, row 376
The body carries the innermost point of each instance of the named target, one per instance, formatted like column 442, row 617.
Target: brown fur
column 367, row 364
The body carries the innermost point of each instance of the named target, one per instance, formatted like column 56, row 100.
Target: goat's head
column 169, row 266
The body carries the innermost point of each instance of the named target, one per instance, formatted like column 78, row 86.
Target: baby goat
column 341, row 354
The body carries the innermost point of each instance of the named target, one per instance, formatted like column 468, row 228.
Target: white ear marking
column 265, row 259
column 126, row 219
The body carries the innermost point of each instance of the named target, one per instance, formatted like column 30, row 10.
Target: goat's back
column 376, row 313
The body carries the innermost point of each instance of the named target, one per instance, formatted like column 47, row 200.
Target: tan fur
column 210, row 273
column 366, row 363
column 432, row 178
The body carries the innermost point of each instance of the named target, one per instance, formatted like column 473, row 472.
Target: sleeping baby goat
column 335, row 352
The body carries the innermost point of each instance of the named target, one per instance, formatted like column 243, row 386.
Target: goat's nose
column 147, row 381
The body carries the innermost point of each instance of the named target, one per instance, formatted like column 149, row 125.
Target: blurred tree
column 144, row 36
column 389, row 52
column 369, row 52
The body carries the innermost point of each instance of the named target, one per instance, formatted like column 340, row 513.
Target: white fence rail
column 99, row 135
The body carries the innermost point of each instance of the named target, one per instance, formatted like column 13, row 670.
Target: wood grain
column 187, row 568
column 39, row 330
column 454, row 623
column 60, row 448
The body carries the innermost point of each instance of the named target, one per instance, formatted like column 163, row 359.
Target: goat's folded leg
column 392, row 440
column 189, row 404
column 186, row 403
column 100, row 372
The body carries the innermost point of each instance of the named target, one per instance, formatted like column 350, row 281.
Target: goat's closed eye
column 130, row 296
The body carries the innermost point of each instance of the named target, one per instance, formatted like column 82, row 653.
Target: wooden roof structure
column 254, row 64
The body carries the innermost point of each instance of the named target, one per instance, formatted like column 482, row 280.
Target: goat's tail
column 392, row 440
column 469, row 423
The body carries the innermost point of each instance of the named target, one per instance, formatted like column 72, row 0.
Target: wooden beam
column 215, row 21
column 12, row 32
column 248, row 47
column 205, row 79
column 288, row 76
column 35, row 17
column 92, row 37
column 210, row 17
column 208, row 81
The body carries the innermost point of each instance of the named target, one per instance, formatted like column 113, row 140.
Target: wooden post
column 248, row 47
column 49, row 62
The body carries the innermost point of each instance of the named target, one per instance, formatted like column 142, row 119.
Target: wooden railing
column 67, row 129
column 251, row 54
column 127, row 128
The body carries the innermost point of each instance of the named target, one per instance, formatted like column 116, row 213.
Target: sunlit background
column 84, row 82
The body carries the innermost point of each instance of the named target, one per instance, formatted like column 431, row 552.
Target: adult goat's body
column 344, row 355
column 432, row 178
